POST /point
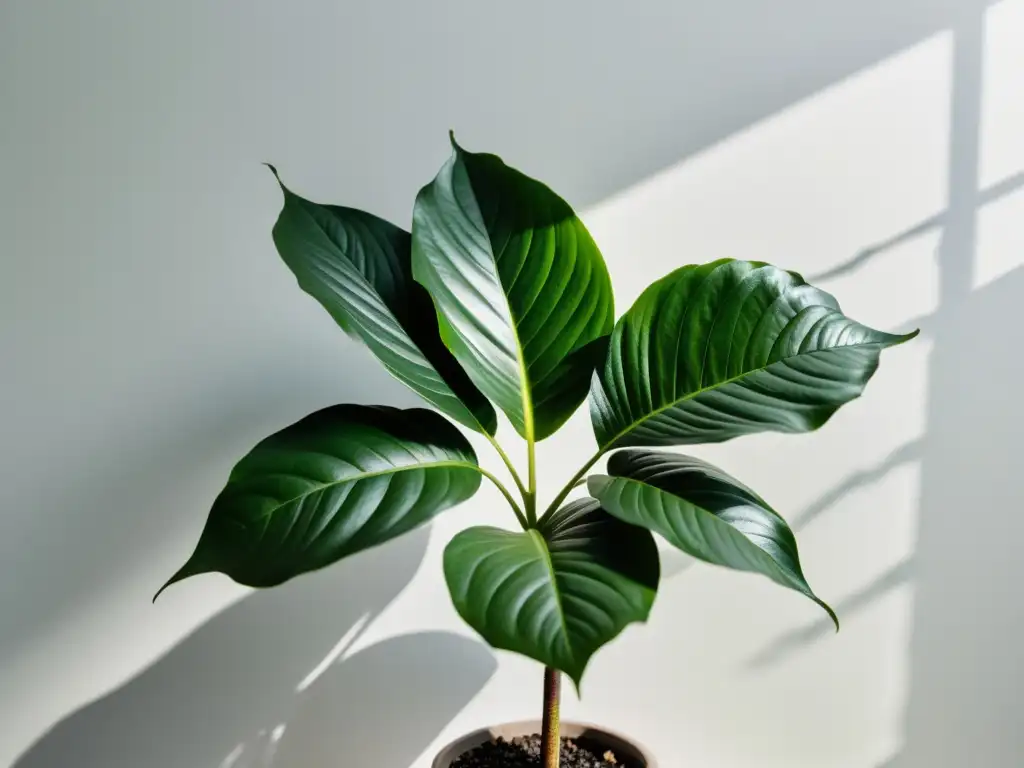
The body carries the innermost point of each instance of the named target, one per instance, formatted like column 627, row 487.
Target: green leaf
column 359, row 268
column 521, row 289
column 339, row 481
column 725, row 349
column 704, row 512
column 556, row 594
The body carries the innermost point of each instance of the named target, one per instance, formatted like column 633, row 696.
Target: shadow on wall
column 221, row 697
column 964, row 658
column 143, row 458
column 965, row 670
column 965, row 663
column 266, row 682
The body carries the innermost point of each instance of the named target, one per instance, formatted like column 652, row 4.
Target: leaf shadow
column 228, row 695
column 907, row 453
column 848, row 606
column 996, row 191
column 123, row 485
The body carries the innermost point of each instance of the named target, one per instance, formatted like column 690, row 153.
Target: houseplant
column 499, row 299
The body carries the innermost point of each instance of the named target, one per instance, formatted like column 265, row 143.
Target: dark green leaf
column 704, row 512
column 729, row 348
column 521, row 289
column 559, row 593
column 359, row 268
column 341, row 480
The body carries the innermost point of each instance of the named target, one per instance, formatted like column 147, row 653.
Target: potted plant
column 499, row 299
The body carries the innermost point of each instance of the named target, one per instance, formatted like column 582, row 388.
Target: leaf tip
column 456, row 147
column 576, row 684
column 167, row 583
column 896, row 339
column 188, row 569
column 277, row 178
column 831, row 614
column 576, row 678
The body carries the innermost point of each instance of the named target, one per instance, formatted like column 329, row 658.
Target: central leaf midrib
column 542, row 546
column 369, row 475
column 525, row 390
column 525, row 394
column 690, row 396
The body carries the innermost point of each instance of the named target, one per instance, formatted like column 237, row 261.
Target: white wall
column 149, row 336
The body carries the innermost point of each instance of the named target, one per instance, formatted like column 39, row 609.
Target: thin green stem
column 573, row 482
column 508, row 464
column 508, row 496
column 531, row 493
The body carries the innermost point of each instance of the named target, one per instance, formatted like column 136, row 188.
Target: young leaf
column 521, row 289
column 359, row 268
column 339, row 481
column 556, row 594
column 725, row 349
column 704, row 512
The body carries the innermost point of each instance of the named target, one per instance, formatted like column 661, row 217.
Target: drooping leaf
column 725, row 349
column 358, row 267
column 522, row 291
column 341, row 480
column 703, row 511
column 559, row 593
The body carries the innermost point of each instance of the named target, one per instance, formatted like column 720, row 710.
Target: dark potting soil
column 524, row 752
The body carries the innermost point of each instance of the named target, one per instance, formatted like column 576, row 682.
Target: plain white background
column 149, row 336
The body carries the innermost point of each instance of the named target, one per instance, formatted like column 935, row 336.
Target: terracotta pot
column 628, row 753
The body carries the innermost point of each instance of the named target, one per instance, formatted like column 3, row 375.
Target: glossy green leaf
column 339, row 481
column 703, row 511
column 559, row 593
column 359, row 268
column 522, row 292
column 725, row 349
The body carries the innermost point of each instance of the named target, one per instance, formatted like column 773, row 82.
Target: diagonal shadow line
column 867, row 254
column 792, row 641
column 1002, row 188
column 998, row 190
column 905, row 454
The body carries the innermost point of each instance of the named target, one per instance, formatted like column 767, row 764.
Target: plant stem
column 508, row 497
column 573, row 482
column 531, row 493
column 508, row 464
column 551, row 743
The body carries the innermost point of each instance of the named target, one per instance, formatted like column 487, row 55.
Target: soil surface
column 524, row 752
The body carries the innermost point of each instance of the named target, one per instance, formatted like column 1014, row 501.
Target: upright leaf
column 704, row 512
column 523, row 294
column 725, row 349
column 359, row 268
column 556, row 594
column 339, row 481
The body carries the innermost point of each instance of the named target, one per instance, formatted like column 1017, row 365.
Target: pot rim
column 528, row 727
